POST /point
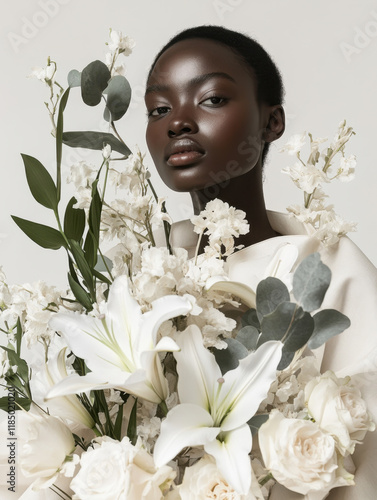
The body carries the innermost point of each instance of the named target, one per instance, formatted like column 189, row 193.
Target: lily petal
column 163, row 309
column 232, row 457
column 247, row 385
column 86, row 336
column 185, row 425
column 282, row 262
column 197, row 369
column 244, row 292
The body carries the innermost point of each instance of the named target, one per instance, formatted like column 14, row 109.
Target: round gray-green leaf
column 248, row 336
column 270, row 293
column 310, row 282
column 74, row 78
column 327, row 324
column 118, row 98
column 94, row 80
column 228, row 358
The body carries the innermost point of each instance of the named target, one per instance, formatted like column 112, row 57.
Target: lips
column 183, row 152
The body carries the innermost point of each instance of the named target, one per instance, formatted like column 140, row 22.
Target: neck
column 244, row 193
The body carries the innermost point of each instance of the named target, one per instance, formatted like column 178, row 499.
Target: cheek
column 235, row 137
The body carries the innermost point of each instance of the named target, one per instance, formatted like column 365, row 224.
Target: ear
column 276, row 124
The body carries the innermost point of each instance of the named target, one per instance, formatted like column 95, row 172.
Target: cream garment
column 353, row 291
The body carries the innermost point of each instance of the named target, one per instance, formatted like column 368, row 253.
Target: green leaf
column 248, row 336
column 256, row 422
column 289, row 324
column 74, row 78
column 270, row 293
column 81, row 295
column 101, row 277
column 90, row 249
column 327, row 324
column 94, row 79
column 118, row 424
column 94, row 140
column 19, row 333
column 95, row 210
column 310, row 282
column 44, row 236
column 83, row 266
column 118, row 98
column 228, row 358
column 59, row 141
column 40, row 182
column 14, row 359
column 23, row 402
column 74, row 221
column 131, row 429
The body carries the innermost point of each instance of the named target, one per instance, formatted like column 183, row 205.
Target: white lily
column 120, row 347
column 67, row 407
column 214, row 408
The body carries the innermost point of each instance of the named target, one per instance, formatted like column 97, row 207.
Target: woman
column 214, row 99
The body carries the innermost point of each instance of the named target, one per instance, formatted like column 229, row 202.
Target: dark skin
column 206, row 129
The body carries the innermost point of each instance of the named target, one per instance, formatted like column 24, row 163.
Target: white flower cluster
column 221, row 223
column 308, row 176
column 82, row 176
column 33, row 304
column 313, row 427
column 119, row 44
column 163, row 274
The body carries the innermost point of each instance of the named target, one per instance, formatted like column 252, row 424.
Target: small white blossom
column 106, row 151
column 45, row 75
column 306, row 177
column 294, row 144
column 122, row 43
column 346, row 169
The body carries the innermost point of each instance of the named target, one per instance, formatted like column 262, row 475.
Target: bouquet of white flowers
column 148, row 377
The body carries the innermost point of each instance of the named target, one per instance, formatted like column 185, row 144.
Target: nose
column 182, row 122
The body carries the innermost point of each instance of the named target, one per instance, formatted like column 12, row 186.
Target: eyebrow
column 194, row 81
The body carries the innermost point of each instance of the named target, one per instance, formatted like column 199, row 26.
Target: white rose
column 300, row 456
column 338, row 408
column 45, row 447
column 116, row 470
column 203, row 481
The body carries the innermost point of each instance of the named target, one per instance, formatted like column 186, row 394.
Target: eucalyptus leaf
column 256, row 422
column 286, row 359
column 288, row 323
column 228, row 358
column 104, row 264
column 44, row 236
column 94, row 140
column 40, row 182
column 248, row 336
column 74, row 78
column 118, row 98
column 94, row 79
column 250, row 318
column 74, row 221
column 327, row 324
column 270, row 293
column 310, row 282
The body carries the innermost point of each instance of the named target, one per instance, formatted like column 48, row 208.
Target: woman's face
column 205, row 124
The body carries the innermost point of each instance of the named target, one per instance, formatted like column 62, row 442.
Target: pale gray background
column 308, row 40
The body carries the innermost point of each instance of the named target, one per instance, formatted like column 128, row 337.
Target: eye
column 214, row 101
column 159, row 111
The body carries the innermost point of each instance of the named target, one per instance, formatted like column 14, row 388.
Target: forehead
column 197, row 56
